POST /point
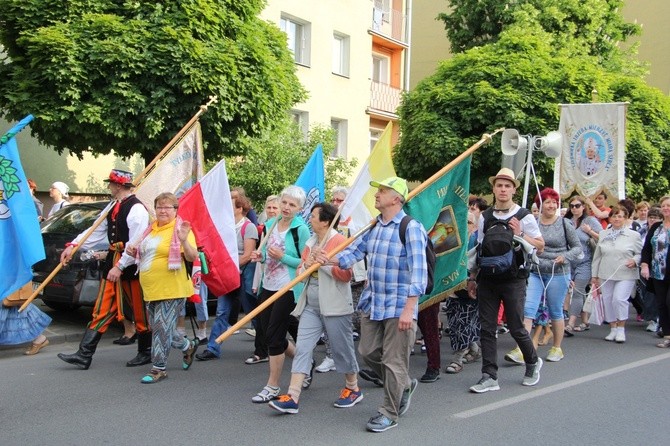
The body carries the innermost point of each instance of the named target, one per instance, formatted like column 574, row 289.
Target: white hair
column 296, row 193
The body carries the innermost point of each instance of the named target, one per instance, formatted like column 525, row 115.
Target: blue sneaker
column 380, row 423
column 348, row 398
column 407, row 397
column 284, row 404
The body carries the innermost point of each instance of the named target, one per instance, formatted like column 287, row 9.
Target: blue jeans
column 556, row 289
column 224, row 304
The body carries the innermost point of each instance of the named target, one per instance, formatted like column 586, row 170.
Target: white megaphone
column 512, row 142
column 552, row 144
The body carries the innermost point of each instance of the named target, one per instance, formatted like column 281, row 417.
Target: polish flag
column 208, row 207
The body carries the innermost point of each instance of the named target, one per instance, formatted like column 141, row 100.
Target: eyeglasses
column 575, row 206
column 165, row 208
column 336, row 200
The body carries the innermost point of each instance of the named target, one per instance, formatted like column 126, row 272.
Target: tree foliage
column 127, row 75
column 275, row 160
column 518, row 80
column 594, row 26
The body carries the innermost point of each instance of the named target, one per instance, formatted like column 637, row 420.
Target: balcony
column 384, row 98
column 389, row 23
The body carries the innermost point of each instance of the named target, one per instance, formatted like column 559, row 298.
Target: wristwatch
column 522, row 234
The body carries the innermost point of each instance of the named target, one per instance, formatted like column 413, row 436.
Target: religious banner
column 593, row 156
column 442, row 208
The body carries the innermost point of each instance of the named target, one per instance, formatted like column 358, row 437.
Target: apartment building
column 351, row 57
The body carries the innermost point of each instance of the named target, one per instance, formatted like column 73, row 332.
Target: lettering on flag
column 593, row 155
column 175, row 172
column 442, row 208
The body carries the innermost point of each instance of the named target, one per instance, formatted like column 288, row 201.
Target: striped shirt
column 395, row 272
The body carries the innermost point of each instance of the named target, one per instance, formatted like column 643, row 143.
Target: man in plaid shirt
column 397, row 276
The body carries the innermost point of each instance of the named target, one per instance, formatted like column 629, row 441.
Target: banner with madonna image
column 593, row 155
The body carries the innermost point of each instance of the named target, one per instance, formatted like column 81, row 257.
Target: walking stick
column 485, row 139
column 138, row 180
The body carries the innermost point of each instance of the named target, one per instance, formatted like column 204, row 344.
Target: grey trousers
column 340, row 335
column 386, row 350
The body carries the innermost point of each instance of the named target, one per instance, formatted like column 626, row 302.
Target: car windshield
column 72, row 219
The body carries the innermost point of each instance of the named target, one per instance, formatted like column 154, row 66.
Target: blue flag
column 312, row 181
column 20, row 237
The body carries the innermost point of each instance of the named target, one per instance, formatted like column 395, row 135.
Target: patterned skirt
column 19, row 328
column 463, row 320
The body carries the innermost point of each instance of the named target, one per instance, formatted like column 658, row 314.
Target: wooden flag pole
column 486, row 138
column 138, row 180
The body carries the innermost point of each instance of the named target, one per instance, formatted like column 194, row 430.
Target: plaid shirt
column 395, row 272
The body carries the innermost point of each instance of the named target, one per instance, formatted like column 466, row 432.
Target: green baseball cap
column 397, row 184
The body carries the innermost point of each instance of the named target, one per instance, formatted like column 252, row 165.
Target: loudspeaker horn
column 552, row 144
column 512, row 142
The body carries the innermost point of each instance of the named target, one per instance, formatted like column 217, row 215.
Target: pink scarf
column 174, row 254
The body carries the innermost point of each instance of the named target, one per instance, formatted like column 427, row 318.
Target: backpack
column 430, row 253
column 259, row 227
column 496, row 254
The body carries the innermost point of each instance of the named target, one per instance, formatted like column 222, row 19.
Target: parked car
column 76, row 283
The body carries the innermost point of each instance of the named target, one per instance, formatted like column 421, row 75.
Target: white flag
column 176, row 172
column 594, row 150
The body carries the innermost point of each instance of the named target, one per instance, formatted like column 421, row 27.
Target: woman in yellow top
column 165, row 283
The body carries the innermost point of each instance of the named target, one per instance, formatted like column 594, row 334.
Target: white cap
column 62, row 188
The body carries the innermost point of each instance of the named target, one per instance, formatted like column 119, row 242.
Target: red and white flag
column 208, row 207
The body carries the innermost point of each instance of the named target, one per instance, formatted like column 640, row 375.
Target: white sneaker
column 620, row 337
column 327, row 365
column 652, row 327
column 251, row 332
column 611, row 336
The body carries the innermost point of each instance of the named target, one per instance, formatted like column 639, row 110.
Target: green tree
column 275, row 160
column 594, row 25
column 517, row 81
column 126, row 76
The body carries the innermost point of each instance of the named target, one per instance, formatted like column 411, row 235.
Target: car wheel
column 60, row 306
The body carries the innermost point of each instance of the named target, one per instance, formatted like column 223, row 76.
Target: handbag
column 19, row 297
column 542, row 315
column 588, row 303
column 597, row 310
column 86, row 289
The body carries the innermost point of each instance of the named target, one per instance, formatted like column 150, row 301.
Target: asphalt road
column 601, row 393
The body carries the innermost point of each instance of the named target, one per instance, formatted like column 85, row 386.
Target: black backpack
column 430, row 253
column 496, row 256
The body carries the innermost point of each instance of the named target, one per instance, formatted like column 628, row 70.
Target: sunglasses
column 575, row 206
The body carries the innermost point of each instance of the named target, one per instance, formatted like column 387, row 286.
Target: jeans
column 554, row 289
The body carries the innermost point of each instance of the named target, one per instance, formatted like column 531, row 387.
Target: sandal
column 190, row 353
column 453, row 368
column 665, row 343
column 266, row 395
column 582, row 327
column 154, row 376
column 255, row 359
column 470, row 357
column 550, row 334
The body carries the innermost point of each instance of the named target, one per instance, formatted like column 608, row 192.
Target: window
column 340, row 54
column 380, row 68
column 375, row 134
column 340, row 127
column 301, row 119
column 298, row 37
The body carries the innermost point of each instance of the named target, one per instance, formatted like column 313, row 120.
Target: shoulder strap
column 294, row 233
column 522, row 213
column 488, row 216
column 244, row 227
column 403, row 227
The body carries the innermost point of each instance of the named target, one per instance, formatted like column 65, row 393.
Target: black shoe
column 371, row 376
column 82, row 358
column 206, row 356
column 430, row 376
column 203, row 341
column 125, row 340
column 142, row 358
